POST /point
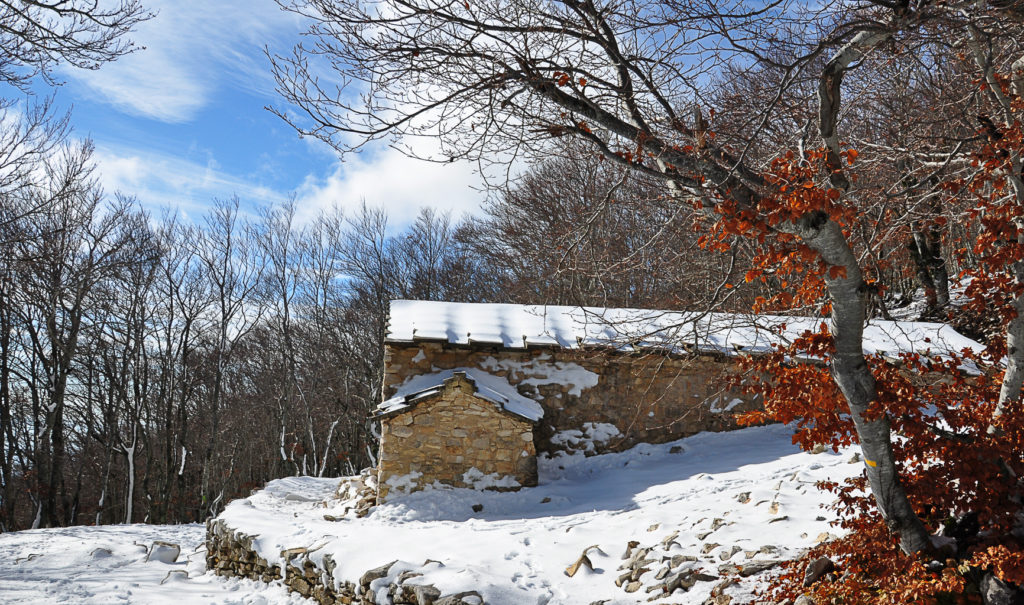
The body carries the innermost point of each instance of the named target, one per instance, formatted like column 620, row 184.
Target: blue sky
column 183, row 122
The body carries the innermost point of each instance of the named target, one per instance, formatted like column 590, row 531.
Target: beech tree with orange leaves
column 777, row 121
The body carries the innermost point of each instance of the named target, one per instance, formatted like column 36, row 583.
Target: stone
column 300, row 585
column 402, row 431
column 998, row 592
column 582, row 561
column 471, row 597
column 804, row 599
column 164, row 552
column 756, row 567
column 816, row 569
column 375, row 574
column 721, row 586
column 726, row 553
column 425, row 594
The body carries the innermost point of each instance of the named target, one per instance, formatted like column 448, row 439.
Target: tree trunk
column 853, row 376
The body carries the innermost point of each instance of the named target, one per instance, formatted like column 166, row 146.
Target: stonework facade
column 457, row 438
column 649, row 397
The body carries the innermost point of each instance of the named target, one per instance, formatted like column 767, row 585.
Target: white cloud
column 191, row 46
column 399, row 184
column 160, row 181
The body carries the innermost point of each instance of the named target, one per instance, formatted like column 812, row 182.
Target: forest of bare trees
column 835, row 159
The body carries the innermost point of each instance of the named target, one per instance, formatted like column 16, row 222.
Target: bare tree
column 37, row 35
column 635, row 81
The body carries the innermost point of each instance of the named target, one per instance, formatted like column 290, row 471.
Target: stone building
column 602, row 380
column 463, row 428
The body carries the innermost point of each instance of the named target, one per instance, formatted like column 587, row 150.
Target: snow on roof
column 495, row 389
column 521, row 326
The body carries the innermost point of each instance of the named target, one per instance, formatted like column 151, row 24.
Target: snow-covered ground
column 108, row 565
column 709, row 502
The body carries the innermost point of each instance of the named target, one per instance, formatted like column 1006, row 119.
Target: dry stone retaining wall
column 231, row 553
column 651, row 398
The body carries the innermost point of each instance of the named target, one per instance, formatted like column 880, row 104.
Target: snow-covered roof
column 521, row 326
column 492, row 388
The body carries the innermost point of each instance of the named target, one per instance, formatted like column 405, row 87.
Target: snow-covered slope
column 108, row 565
column 712, row 503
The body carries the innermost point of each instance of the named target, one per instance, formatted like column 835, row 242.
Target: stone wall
column 649, row 397
column 231, row 553
column 443, row 438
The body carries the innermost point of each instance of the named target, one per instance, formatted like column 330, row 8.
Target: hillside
column 701, row 504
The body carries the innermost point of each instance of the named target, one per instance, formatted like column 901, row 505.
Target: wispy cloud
column 163, row 181
column 387, row 179
column 191, row 48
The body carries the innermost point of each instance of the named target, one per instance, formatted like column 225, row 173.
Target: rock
column 545, row 500
column 743, row 498
column 583, row 561
column 777, row 519
column 721, row 586
column 804, row 600
column 818, row 448
column 855, row 458
column 704, row 535
column 374, row 574
column 773, row 508
column 463, row 598
column 633, row 586
column 678, row 560
column 816, row 569
column 164, row 552
column 290, row 553
column 175, row 575
column 675, row 449
column 757, row 567
column 300, row 585
column 998, row 592
column 653, row 527
column 629, row 549
column 722, row 599
column 709, row 547
column 478, row 508
column 726, row 553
